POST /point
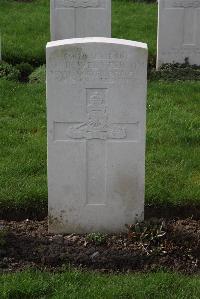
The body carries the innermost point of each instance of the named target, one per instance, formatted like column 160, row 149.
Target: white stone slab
column 178, row 31
column 96, row 106
column 80, row 18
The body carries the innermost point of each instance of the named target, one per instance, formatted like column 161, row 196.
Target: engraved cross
column 96, row 133
column 78, row 6
column 189, row 7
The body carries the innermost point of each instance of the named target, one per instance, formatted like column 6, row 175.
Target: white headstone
column 96, row 107
column 178, row 31
column 80, row 18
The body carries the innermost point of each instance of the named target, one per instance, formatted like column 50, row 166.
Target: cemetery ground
column 168, row 242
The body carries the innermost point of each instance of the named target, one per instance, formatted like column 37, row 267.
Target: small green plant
column 38, row 75
column 97, row 238
column 175, row 72
column 25, row 70
column 9, row 72
column 150, row 231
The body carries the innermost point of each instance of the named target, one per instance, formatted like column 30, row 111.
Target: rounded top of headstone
column 103, row 40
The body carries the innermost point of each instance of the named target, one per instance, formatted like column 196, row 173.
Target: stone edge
column 101, row 40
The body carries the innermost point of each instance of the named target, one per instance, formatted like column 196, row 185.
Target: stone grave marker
column 178, row 32
column 80, row 18
column 96, row 107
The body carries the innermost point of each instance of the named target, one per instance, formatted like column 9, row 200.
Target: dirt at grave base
column 28, row 244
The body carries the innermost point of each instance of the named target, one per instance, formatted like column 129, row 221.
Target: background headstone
column 80, row 18
column 178, row 31
column 96, row 107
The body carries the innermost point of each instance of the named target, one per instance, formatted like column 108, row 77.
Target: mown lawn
column 25, row 27
column 74, row 284
column 23, row 145
column 173, row 151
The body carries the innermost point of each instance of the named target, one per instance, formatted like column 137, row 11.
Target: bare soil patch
column 174, row 246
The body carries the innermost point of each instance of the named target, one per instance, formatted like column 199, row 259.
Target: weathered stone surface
column 178, row 31
column 80, row 18
column 96, row 103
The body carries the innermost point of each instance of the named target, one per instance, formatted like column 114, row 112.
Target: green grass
column 23, row 145
column 173, row 149
column 25, row 30
column 74, row 284
column 173, row 143
column 173, row 155
column 135, row 21
column 25, row 27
